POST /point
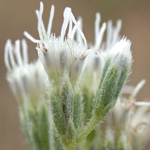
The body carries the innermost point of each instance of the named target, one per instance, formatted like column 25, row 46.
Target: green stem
column 87, row 130
column 69, row 145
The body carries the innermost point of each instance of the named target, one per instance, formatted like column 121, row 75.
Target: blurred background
column 19, row 15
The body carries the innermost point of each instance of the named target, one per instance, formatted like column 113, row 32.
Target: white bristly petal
column 142, row 103
column 6, row 55
column 99, row 37
column 11, row 55
column 76, row 23
column 112, row 33
column 25, row 51
column 17, row 52
column 82, row 35
column 116, row 31
column 40, row 23
column 70, row 29
column 66, row 15
column 49, row 28
column 97, row 24
column 30, row 37
column 78, row 36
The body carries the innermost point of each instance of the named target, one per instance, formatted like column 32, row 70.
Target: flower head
column 70, row 55
column 29, row 83
column 62, row 55
column 24, row 78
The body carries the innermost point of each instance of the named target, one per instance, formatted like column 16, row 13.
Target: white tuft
column 30, row 37
column 123, row 47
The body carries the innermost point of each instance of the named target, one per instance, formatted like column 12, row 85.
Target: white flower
column 60, row 54
column 30, row 85
column 25, row 78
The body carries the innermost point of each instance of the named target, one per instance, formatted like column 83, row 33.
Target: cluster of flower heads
column 77, row 80
column 67, row 52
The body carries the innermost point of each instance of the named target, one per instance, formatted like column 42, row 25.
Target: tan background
column 18, row 15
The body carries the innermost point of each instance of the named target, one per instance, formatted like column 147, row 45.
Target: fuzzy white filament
column 141, row 103
column 7, row 55
column 25, row 51
column 49, row 28
column 13, row 56
column 30, row 37
column 18, row 54
column 68, row 20
column 97, row 24
column 99, row 37
column 99, row 32
column 112, row 33
column 78, row 36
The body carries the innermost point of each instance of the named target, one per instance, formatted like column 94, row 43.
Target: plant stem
column 69, row 145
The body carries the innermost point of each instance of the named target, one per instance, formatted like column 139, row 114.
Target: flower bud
column 91, row 73
column 116, row 69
